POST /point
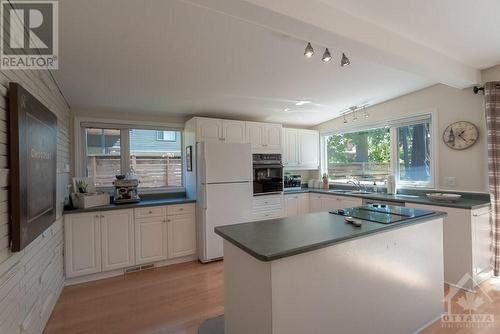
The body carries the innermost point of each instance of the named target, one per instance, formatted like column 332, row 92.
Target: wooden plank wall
column 31, row 280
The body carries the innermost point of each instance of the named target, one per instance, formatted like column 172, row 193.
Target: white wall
column 469, row 167
column 31, row 280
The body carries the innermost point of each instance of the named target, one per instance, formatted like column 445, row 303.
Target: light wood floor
column 176, row 300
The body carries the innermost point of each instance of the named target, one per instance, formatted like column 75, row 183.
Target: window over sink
column 371, row 153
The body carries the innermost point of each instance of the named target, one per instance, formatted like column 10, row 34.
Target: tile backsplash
column 305, row 174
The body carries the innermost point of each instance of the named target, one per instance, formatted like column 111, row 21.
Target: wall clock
column 460, row 135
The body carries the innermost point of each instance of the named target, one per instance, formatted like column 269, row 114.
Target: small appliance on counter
column 292, row 182
column 126, row 189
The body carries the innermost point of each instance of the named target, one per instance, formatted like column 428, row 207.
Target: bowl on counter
column 444, row 197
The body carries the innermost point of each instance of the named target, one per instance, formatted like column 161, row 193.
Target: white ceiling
column 172, row 57
column 462, row 29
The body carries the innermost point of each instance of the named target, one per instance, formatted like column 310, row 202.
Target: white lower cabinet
column 117, row 238
column 296, row 204
column 467, row 244
column 150, row 240
column 82, row 244
column 267, row 207
column 108, row 240
column 181, row 231
column 326, row 202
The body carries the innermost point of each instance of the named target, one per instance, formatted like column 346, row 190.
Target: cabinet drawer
column 152, row 211
column 264, row 215
column 266, row 202
column 180, row 209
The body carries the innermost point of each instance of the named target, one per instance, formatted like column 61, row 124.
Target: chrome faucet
column 357, row 184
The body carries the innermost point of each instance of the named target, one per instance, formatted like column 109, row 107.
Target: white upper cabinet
column 301, row 148
column 264, row 137
column 290, row 147
column 308, row 148
column 233, row 131
column 208, row 129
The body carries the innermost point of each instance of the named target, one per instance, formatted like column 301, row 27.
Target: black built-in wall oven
column 267, row 174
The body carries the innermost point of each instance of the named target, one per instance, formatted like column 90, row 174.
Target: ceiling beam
column 324, row 25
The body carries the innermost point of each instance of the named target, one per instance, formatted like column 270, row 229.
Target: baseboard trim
column 119, row 272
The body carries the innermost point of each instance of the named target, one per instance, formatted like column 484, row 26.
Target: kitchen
column 251, row 166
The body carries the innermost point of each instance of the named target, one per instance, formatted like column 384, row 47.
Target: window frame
column 163, row 132
column 393, row 125
column 80, row 151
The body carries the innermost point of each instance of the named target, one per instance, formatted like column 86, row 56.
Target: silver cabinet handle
column 150, row 211
column 181, row 209
column 96, row 216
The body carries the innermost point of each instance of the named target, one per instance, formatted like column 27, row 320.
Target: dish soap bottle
column 375, row 187
column 326, row 186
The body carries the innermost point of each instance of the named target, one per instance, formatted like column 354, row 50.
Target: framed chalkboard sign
column 33, row 162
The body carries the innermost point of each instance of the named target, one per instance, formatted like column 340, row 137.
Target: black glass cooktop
column 382, row 213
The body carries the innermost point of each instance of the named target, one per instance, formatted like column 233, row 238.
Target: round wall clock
column 460, row 135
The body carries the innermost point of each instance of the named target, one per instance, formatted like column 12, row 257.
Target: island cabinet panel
column 467, row 245
column 117, row 233
column 82, row 244
column 181, row 235
column 150, row 239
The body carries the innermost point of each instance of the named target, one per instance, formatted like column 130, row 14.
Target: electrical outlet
column 450, row 181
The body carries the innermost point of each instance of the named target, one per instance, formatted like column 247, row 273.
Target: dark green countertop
column 468, row 201
column 146, row 200
column 278, row 238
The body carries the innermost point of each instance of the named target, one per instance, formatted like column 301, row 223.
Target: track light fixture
column 326, row 56
column 309, row 51
column 345, row 61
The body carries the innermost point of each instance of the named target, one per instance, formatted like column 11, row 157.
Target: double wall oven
column 267, row 174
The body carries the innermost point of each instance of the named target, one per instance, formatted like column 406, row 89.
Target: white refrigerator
column 225, row 191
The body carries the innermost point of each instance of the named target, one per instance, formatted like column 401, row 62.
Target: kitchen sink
column 359, row 192
column 341, row 191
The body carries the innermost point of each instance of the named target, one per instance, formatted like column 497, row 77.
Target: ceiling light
column 286, row 109
column 309, row 51
column 301, row 103
column 326, row 56
column 345, row 61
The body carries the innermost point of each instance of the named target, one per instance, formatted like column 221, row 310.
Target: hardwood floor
column 177, row 299
column 171, row 300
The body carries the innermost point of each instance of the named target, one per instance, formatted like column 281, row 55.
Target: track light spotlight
column 309, row 51
column 345, row 61
column 326, row 56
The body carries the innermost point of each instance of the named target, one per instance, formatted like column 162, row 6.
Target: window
column 156, row 163
column 362, row 155
column 154, row 155
column 103, row 155
column 414, row 150
column 402, row 148
column 165, row 135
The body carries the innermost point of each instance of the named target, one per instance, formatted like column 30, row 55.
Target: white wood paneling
column 31, row 280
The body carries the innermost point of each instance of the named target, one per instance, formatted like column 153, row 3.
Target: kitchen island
column 318, row 274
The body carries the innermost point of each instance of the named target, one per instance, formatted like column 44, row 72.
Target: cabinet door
column 233, row 131
column 482, row 244
column 329, row 202
column 308, row 148
column 181, row 235
column 291, row 205
column 255, row 133
column 208, row 129
column 303, row 204
column 272, row 137
column 350, row 202
column 315, row 203
column 290, row 152
column 150, row 239
column 117, row 232
column 82, row 237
